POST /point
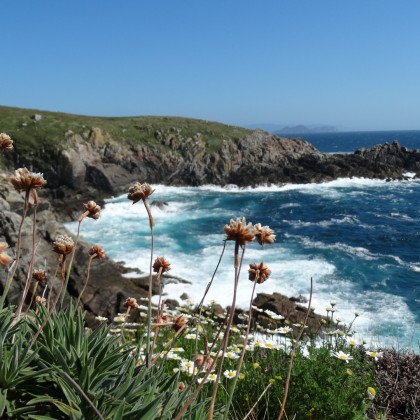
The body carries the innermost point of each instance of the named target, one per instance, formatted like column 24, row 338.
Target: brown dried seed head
column 93, row 209
column 179, row 322
column 6, row 143
column 23, row 180
column 161, row 263
column 139, row 192
column 259, row 272
column 40, row 275
column 200, row 360
column 131, row 303
column 181, row 386
column 239, row 231
column 40, row 300
column 97, row 251
column 63, row 245
column 264, row 234
column 5, row 260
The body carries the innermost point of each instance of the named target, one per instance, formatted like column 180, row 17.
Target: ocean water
column 358, row 239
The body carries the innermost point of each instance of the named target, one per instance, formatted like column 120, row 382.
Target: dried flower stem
column 18, row 249
column 87, row 279
column 292, row 355
column 32, row 262
column 149, row 306
column 256, row 402
column 241, row 359
column 237, row 265
column 64, row 286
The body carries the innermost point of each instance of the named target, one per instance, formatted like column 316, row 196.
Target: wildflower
column 229, row 374
column 187, row 366
column 374, row 354
column 351, row 341
column 92, row 210
column 181, row 386
column 39, row 275
column 6, row 143
column 139, row 192
column 349, row 372
column 342, row 356
column 200, row 360
column 258, row 272
column 23, row 180
column 239, row 231
column 255, row 308
column 101, row 318
column 284, row 330
column 264, row 234
column 161, row 264
column 131, row 302
column 5, row 259
column 333, row 303
column 231, row 355
column 191, row 336
column 40, row 300
column 97, row 252
column 241, row 376
column 212, row 377
column 271, row 381
column 179, row 322
column 256, row 365
column 356, row 314
column 63, row 245
column 178, row 349
column 371, row 392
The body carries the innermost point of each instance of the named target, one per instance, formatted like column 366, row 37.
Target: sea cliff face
column 96, row 165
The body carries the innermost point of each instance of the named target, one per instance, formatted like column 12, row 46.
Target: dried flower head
column 23, row 180
column 63, row 245
column 139, row 192
column 96, row 251
column 259, row 272
column 161, row 264
column 162, row 321
column 131, row 303
column 179, row 322
column 6, row 143
column 40, row 275
column 239, row 231
column 202, row 361
column 264, row 234
column 93, row 209
column 40, row 300
column 181, row 386
column 5, row 260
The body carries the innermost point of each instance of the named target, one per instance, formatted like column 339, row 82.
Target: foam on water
column 189, row 233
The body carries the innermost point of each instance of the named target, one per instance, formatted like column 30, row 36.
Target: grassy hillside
column 33, row 136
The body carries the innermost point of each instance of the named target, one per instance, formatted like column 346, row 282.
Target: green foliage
column 71, row 372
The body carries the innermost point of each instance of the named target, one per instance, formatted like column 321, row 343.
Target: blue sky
column 351, row 64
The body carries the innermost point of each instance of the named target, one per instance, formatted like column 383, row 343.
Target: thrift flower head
column 264, row 234
column 97, row 252
column 93, row 210
column 63, row 245
column 179, row 322
column 239, row 231
column 131, row 302
column 258, row 272
column 342, row 356
column 161, row 264
column 5, row 259
column 23, row 180
column 6, row 143
column 39, row 275
column 229, row 374
column 139, row 192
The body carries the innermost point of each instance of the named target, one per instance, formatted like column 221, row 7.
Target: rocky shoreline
column 96, row 167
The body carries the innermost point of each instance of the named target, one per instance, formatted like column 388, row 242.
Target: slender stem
column 237, row 266
column 71, row 262
column 87, row 279
column 149, row 307
column 256, row 402
column 241, row 359
column 18, row 249
column 31, row 264
column 292, row 356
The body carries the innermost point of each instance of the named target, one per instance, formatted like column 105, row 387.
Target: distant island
column 294, row 129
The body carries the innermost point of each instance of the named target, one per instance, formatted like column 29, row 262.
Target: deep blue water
column 351, row 141
column 358, row 239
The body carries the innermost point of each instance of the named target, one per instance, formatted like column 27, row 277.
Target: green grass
column 49, row 132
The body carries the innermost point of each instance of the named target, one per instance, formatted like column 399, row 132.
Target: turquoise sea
column 358, row 239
